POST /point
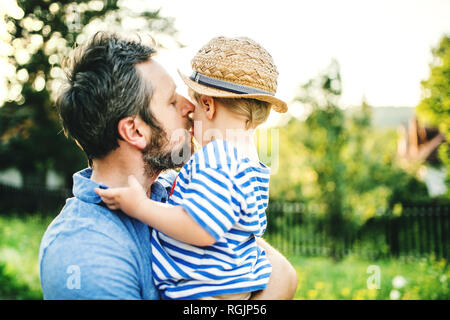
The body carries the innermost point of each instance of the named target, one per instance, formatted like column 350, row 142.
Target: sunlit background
column 383, row 47
column 359, row 192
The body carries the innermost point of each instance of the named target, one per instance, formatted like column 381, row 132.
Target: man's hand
column 128, row 199
column 283, row 280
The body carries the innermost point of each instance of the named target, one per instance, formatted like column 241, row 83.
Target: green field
column 319, row 277
column 19, row 249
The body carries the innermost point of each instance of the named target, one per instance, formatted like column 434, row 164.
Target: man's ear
column 132, row 130
column 209, row 105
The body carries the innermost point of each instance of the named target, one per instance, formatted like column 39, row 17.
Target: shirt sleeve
column 88, row 266
column 209, row 198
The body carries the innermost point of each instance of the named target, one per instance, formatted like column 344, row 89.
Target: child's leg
column 233, row 296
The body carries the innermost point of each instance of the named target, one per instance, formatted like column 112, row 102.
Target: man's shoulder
column 81, row 221
column 106, row 251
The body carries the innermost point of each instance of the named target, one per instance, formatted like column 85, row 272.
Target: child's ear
column 209, row 106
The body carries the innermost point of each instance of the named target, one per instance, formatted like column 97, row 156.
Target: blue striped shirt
column 226, row 193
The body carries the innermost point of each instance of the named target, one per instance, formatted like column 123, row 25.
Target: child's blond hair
column 254, row 111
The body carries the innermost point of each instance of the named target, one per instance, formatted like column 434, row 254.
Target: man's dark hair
column 103, row 88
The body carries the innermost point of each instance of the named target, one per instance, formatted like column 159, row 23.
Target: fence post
column 437, row 232
column 445, row 229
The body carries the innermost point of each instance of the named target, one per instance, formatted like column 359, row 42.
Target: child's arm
column 173, row 221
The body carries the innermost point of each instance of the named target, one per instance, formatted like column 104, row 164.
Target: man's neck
column 113, row 171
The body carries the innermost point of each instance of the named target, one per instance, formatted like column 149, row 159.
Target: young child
column 204, row 240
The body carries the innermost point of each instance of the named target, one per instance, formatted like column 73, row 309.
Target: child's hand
column 127, row 199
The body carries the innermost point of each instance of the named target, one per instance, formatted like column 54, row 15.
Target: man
column 122, row 109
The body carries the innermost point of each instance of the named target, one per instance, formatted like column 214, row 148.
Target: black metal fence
column 32, row 199
column 420, row 230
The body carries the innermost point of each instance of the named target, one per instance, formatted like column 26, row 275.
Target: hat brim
column 276, row 104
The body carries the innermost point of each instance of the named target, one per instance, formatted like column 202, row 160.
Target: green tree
column 434, row 108
column 335, row 163
column 39, row 35
column 311, row 165
column 325, row 141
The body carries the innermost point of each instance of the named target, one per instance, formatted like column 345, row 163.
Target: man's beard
column 159, row 155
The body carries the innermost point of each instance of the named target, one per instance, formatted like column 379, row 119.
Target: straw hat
column 235, row 68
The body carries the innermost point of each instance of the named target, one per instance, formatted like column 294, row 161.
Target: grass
column 20, row 237
column 319, row 277
column 359, row 279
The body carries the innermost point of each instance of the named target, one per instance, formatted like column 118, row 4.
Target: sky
column 383, row 47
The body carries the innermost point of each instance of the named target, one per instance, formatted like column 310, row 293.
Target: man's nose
column 185, row 106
